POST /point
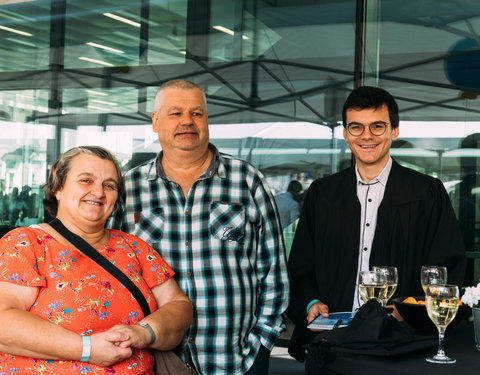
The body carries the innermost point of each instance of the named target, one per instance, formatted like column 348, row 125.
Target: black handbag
column 166, row 362
column 372, row 332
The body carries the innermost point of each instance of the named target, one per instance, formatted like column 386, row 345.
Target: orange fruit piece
column 421, row 302
column 410, row 300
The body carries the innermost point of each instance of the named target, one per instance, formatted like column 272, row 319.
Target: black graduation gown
column 416, row 226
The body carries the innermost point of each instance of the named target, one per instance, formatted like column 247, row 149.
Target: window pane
column 289, row 62
column 24, row 35
column 108, row 34
column 113, row 100
column 429, row 60
column 23, row 170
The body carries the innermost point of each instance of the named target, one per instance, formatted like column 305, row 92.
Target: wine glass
column 391, row 274
column 433, row 275
column 372, row 285
column 442, row 306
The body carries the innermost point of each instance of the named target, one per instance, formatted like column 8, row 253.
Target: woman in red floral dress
column 62, row 313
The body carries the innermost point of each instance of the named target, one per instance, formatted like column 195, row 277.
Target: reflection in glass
column 25, row 35
column 121, row 36
column 23, row 167
column 276, row 74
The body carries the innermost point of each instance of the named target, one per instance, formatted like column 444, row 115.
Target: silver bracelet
column 153, row 337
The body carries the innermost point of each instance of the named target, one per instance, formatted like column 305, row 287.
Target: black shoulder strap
column 93, row 254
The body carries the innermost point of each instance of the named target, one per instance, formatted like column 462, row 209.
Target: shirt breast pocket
column 227, row 221
column 150, row 224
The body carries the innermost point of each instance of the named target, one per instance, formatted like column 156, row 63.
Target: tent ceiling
column 304, row 75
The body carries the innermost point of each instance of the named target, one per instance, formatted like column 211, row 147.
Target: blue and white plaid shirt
column 225, row 243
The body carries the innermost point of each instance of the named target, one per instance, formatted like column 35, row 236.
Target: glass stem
column 441, row 336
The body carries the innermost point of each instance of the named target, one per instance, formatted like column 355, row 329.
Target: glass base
column 478, row 347
column 440, row 359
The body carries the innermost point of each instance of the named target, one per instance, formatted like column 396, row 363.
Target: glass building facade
column 276, row 73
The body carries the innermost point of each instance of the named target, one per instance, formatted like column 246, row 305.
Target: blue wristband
column 311, row 303
column 86, row 348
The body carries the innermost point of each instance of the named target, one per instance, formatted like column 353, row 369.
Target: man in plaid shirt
column 212, row 217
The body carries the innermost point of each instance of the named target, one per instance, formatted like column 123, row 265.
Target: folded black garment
column 372, row 332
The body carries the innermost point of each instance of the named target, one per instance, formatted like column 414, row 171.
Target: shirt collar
column 382, row 177
column 216, row 166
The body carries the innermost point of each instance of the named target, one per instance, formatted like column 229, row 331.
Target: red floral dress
column 79, row 295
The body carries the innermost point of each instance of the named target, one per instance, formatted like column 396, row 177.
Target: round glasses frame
column 376, row 128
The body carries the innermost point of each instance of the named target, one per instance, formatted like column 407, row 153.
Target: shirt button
column 187, row 212
column 365, row 249
column 189, row 274
column 187, row 243
column 367, row 224
column 369, row 199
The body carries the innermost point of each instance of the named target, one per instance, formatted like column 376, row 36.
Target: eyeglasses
column 376, row 128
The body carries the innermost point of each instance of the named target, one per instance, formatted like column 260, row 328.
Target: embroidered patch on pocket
column 227, row 221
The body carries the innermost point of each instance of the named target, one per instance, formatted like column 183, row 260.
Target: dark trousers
column 260, row 366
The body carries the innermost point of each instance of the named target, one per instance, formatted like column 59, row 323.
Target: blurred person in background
column 288, row 203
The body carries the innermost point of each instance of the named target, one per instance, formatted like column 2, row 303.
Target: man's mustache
column 186, row 129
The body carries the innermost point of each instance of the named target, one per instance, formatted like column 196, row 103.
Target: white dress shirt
column 370, row 196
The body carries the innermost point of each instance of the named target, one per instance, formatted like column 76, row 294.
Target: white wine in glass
column 433, row 275
column 372, row 285
column 442, row 306
column 391, row 274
